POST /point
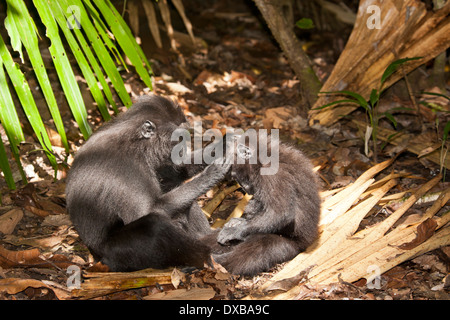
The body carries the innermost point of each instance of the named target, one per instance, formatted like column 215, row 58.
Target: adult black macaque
column 127, row 199
column 281, row 219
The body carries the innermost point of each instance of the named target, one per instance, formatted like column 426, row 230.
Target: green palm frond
column 97, row 37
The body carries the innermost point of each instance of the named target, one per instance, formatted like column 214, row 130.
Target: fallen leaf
column 55, row 138
column 184, row 294
column 57, row 220
column 31, row 257
column 275, row 116
column 46, row 242
column 395, row 283
column 39, row 212
column 25, row 197
column 285, row 284
column 9, row 220
column 207, row 76
column 9, row 258
column 52, row 207
column 424, row 231
column 235, row 75
column 175, row 87
column 177, row 277
column 15, row 285
column 289, row 283
column 61, row 291
column 429, row 150
column 410, row 219
column 430, row 262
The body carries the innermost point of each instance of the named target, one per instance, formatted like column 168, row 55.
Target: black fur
column 281, row 219
column 127, row 198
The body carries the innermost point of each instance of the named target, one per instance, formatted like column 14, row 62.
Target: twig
column 413, row 99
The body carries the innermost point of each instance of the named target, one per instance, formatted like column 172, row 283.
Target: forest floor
column 240, row 80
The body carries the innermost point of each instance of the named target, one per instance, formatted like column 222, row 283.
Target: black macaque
column 281, row 219
column 127, row 198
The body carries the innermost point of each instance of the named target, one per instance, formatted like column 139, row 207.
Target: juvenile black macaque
column 127, row 198
column 281, row 219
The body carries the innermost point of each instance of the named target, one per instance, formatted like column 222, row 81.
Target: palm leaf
column 27, row 101
column 100, row 51
column 104, row 33
column 6, row 169
column 125, row 39
column 82, row 63
column 20, row 25
column 58, row 11
column 8, row 114
column 102, row 29
column 10, row 120
column 63, row 68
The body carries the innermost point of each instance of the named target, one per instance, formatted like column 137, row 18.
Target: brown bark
column 274, row 13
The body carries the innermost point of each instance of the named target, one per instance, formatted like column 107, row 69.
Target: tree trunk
column 406, row 29
column 276, row 14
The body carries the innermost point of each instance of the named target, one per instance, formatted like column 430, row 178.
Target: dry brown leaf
column 431, row 262
column 41, row 242
column 151, row 18
column 187, row 23
column 52, row 207
column 285, row 284
column 218, row 267
column 274, row 117
column 57, row 220
column 424, row 231
column 55, row 138
column 429, row 150
column 289, row 283
column 25, row 196
column 39, row 212
column 204, row 76
column 235, row 75
column 9, row 220
column 31, row 257
column 183, row 294
column 9, row 259
column 15, row 285
column 177, row 277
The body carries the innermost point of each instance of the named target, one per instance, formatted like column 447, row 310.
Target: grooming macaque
column 127, row 198
column 281, row 219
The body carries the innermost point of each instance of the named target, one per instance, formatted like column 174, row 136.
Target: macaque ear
column 148, row 129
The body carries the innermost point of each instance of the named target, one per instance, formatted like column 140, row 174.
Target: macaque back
column 127, row 198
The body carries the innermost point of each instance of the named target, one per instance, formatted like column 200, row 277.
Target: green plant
column 443, row 148
column 96, row 35
column 371, row 106
column 305, row 23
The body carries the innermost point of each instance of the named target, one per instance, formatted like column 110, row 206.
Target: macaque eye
column 244, row 152
column 148, row 129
